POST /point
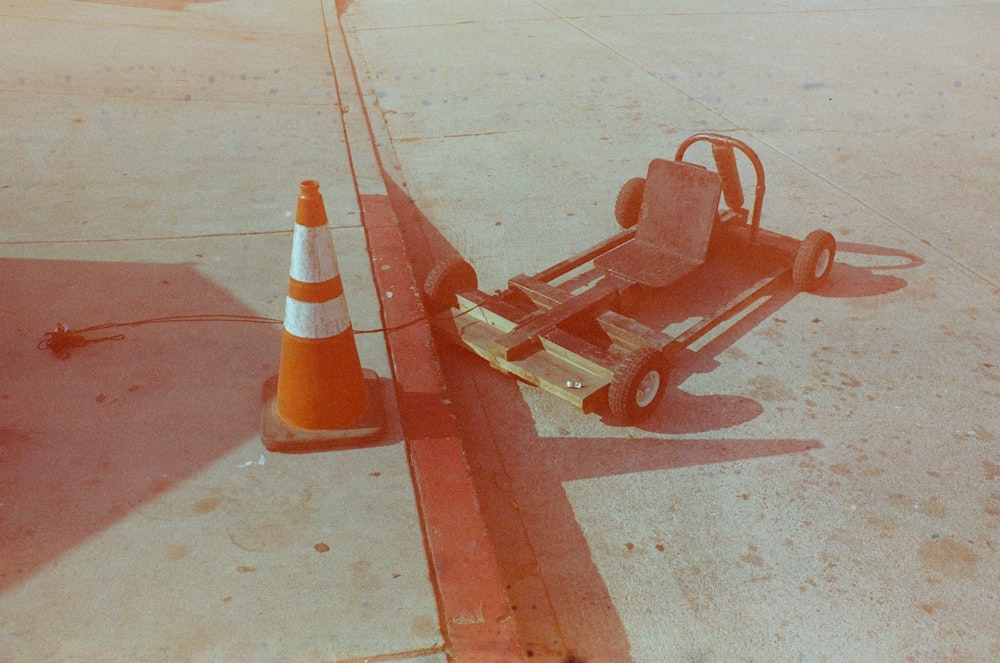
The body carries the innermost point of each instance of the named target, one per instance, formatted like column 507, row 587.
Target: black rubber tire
column 629, row 202
column 814, row 260
column 447, row 279
column 638, row 385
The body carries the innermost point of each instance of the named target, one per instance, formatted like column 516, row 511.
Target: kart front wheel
column 447, row 279
column 638, row 385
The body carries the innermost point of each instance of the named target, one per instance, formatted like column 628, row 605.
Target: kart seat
column 679, row 205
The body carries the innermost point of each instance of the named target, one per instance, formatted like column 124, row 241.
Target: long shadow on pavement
column 86, row 440
column 562, row 605
column 563, row 609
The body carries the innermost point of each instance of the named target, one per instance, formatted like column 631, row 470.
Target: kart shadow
column 723, row 277
column 563, row 608
column 728, row 271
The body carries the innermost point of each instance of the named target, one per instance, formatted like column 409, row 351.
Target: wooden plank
column 624, row 330
column 552, row 373
column 491, row 310
column 579, row 352
column 547, row 295
column 560, row 357
column 524, row 339
column 478, row 336
column 542, row 293
column 631, row 333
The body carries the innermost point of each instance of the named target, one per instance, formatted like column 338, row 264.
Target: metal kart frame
column 576, row 342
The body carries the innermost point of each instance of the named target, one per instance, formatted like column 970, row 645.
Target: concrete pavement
column 153, row 152
column 820, row 483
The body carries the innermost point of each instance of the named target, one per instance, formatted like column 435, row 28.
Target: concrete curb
column 476, row 618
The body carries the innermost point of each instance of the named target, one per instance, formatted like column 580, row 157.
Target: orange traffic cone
column 322, row 397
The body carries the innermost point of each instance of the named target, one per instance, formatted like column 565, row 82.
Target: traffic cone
column 322, row 398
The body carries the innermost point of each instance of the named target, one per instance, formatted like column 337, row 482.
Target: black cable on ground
column 62, row 341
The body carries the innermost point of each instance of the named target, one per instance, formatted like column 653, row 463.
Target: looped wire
column 62, row 341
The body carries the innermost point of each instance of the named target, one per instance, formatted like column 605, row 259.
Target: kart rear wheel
column 629, row 202
column 447, row 279
column 638, row 385
column 813, row 260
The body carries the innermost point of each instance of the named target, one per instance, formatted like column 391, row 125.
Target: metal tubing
column 566, row 266
column 721, row 139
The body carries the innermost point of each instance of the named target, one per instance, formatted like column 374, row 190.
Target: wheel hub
column 647, row 389
column 822, row 263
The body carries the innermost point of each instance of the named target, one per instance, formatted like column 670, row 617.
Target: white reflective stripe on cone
column 313, row 257
column 316, row 320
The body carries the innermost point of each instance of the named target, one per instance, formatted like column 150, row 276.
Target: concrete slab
column 817, row 485
column 511, row 120
column 858, row 122
column 155, row 482
column 818, row 482
column 229, row 564
column 161, row 127
column 157, row 151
